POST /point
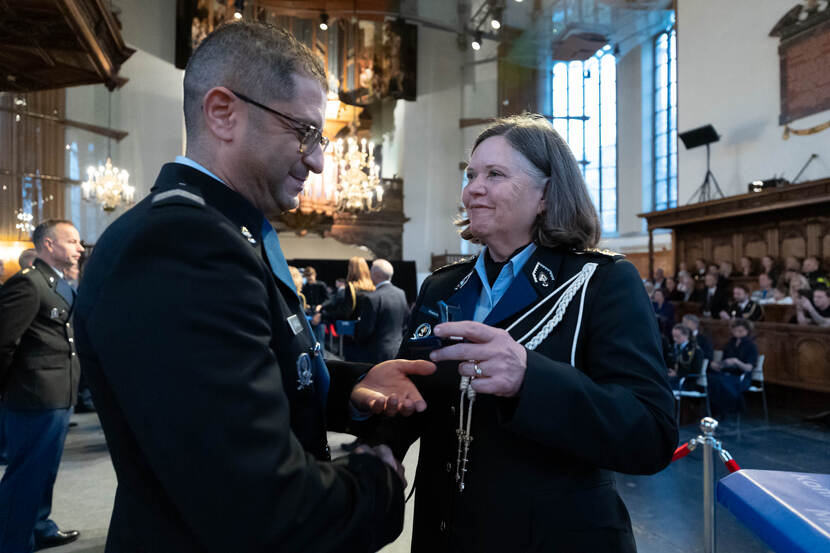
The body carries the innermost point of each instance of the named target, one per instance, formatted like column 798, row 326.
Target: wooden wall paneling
column 793, row 243
column 773, row 243
column 737, row 248
column 813, row 235
column 706, row 243
column 812, row 360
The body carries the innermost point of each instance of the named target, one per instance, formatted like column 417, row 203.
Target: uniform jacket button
column 449, row 467
column 443, row 526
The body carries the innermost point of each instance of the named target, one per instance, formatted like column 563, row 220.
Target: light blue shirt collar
column 490, row 296
column 198, row 166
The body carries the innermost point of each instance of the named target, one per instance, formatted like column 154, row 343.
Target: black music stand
column 702, row 136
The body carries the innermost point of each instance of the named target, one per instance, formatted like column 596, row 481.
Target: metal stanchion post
column 707, row 427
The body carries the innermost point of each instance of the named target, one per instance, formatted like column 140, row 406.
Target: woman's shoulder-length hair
column 569, row 219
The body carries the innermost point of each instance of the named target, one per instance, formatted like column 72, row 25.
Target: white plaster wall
column 630, row 167
column 728, row 75
column 429, row 149
column 148, row 107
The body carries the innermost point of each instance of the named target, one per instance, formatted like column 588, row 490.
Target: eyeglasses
column 309, row 135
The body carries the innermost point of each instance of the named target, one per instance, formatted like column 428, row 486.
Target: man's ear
column 221, row 110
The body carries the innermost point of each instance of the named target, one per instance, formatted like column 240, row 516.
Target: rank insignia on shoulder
column 597, row 251
column 542, row 275
column 464, row 280
column 422, row 331
column 177, row 196
column 247, row 234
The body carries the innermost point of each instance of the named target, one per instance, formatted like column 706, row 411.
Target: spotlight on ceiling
column 495, row 21
column 477, row 41
column 237, row 15
column 324, row 21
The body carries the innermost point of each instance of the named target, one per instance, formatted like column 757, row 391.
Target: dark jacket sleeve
column 201, row 391
column 617, row 412
column 18, row 308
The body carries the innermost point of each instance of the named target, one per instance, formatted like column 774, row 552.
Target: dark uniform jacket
column 594, row 400
column 751, row 311
column 39, row 368
column 383, row 318
column 715, row 303
column 195, row 366
column 685, row 360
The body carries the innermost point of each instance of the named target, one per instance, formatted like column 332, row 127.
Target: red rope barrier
column 732, row 466
column 681, row 452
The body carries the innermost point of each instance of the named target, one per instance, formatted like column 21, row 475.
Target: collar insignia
column 247, row 234
column 542, row 275
column 461, row 284
column 422, row 331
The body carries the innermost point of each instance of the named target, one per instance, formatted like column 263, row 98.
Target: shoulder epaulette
column 26, row 271
column 178, row 196
column 603, row 252
column 461, row 261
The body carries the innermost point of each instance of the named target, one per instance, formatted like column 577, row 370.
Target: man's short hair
column 255, row 59
column 687, row 332
column 747, row 324
column 742, row 287
column 383, row 268
column 310, row 272
column 27, row 257
column 692, row 318
column 822, row 288
column 46, row 229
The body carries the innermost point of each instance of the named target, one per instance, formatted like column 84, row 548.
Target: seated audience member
column 685, row 356
column 671, row 289
column 659, row 279
column 649, row 288
column 792, row 263
column 815, row 312
column 664, row 310
column 811, row 268
column 746, row 267
column 742, row 307
column 764, row 294
column 700, row 269
column 739, row 357
column 687, row 289
column 770, row 268
column 714, row 298
column 682, row 268
column 781, row 296
column 726, row 269
column 798, row 286
column 692, row 322
column 316, row 292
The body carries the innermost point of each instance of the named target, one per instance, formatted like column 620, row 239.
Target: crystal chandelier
column 109, row 185
column 358, row 176
column 105, row 183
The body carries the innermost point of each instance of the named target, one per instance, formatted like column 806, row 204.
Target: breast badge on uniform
column 542, row 275
column 247, row 234
column 422, row 331
column 54, row 313
column 303, row 371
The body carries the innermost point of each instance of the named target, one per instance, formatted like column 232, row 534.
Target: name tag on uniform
column 295, row 324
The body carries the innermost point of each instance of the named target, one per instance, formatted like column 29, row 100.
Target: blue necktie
column 279, row 266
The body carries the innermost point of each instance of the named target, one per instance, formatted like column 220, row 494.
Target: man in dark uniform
column 742, row 307
column 212, row 393
column 39, row 374
column 684, row 357
column 383, row 316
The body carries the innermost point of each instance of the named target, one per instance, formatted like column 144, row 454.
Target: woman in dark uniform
column 726, row 381
column 560, row 380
